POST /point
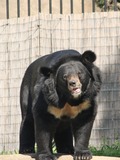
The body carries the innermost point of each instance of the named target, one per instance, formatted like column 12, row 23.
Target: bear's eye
column 65, row 76
column 80, row 75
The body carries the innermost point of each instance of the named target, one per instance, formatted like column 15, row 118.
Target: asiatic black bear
column 57, row 100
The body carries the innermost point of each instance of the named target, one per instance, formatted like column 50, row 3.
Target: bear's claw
column 83, row 155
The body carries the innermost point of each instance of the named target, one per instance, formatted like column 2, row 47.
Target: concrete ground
column 26, row 157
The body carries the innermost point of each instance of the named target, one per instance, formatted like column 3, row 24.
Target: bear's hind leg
column 27, row 139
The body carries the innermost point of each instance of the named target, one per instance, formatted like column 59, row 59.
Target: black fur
column 43, row 86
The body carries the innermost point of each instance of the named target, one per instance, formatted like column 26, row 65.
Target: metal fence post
column 71, row 6
column 50, row 6
column 7, row 9
column 115, row 5
column 39, row 6
column 93, row 5
column 28, row 7
column 82, row 6
column 18, row 8
column 105, row 3
column 61, row 5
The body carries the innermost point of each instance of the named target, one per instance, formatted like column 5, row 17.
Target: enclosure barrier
column 61, row 2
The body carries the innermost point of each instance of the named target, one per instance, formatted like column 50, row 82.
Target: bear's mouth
column 76, row 92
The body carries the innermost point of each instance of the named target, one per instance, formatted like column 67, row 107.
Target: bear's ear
column 88, row 56
column 46, row 71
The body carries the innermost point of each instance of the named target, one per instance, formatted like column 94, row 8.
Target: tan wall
column 25, row 39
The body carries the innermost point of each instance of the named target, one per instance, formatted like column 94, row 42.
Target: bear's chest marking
column 68, row 110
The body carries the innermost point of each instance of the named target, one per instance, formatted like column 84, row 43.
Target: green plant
column 8, row 152
column 107, row 150
column 100, row 3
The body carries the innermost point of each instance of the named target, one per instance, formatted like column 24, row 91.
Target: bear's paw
column 82, row 155
column 46, row 157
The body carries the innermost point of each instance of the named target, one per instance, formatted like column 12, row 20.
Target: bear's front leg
column 44, row 131
column 82, row 135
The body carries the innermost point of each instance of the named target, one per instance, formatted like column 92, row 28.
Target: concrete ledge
column 28, row 157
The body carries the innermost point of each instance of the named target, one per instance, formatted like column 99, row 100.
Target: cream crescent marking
column 68, row 110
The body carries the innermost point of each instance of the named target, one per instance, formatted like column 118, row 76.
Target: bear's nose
column 72, row 83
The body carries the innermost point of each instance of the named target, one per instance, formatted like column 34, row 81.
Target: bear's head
column 71, row 77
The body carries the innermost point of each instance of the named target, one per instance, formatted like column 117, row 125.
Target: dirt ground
column 25, row 157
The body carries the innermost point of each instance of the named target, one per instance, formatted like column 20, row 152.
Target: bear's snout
column 72, row 83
